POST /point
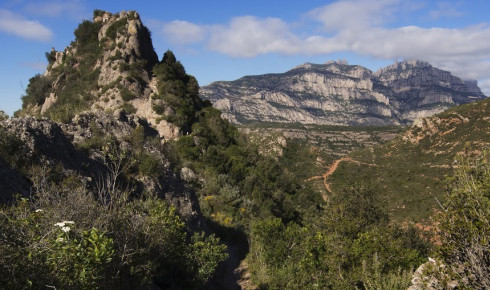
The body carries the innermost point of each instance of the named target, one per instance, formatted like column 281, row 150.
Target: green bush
column 149, row 165
column 128, row 108
column 37, row 91
column 11, row 149
column 126, row 94
column 116, row 27
column 179, row 90
column 50, row 57
column 79, row 261
column 465, row 223
column 66, row 238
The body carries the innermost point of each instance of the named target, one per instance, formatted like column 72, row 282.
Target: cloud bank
column 16, row 25
column 359, row 26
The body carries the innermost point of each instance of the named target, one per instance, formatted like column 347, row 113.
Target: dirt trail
column 331, row 170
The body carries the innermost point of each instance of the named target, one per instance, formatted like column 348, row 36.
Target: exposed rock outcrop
column 50, row 144
column 340, row 94
column 108, row 66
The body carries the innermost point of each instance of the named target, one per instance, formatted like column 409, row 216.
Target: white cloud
column 15, row 24
column 358, row 26
column 183, row 32
column 249, row 36
column 485, row 86
column 73, row 9
column 354, row 14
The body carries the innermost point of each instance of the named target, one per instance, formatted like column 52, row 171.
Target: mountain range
column 336, row 93
column 116, row 174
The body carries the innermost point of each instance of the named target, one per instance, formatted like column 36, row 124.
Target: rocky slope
column 341, row 94
column 100, row 112
column 109, row 65
column 81, row 149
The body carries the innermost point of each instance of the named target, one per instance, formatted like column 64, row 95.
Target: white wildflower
column 39, row 210
column 65, row 229
column 63, row 223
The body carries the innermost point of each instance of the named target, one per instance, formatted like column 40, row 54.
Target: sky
column 227, row 39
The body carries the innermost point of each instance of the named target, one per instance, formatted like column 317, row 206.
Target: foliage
column 465, row 223
column 116, row 28
column 375, row 279
column 128, row 108
column 37, row 91
column 79, row 261
column 149, row 165
column 335, row 249
column 3, row 116
column 179, row 90
column 98, row 12
column 86, row 35
column 66, row 238
column 126, row 94
column 12, row 149
column 50, row 57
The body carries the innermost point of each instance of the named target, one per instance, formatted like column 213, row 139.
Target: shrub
column 465, row 223
column 116, row 28
column 149, row 166
column 79, row 261
column 126, row 94
column 65, row 238
column 11, row 149
column 37, row 91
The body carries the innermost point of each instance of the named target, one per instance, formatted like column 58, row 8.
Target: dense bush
column 37, row 91
column 336, row 249
column 66, row 238
column 179, row 90
column 465, row 224
column 116, row 28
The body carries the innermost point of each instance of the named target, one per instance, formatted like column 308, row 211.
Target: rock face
column 108, row 66
column 48, row 144
column 341, row 94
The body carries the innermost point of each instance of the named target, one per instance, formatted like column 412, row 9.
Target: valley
column 121, row 172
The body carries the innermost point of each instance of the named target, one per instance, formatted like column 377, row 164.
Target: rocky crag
column 110, row 65
column 339, row 94
column 101, row 111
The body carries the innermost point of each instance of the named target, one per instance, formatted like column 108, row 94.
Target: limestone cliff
column 341, row 94
column 109, row 65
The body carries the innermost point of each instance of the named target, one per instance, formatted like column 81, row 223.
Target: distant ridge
column 336, row 93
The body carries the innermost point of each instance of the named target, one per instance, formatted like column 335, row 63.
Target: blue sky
column 224, row 40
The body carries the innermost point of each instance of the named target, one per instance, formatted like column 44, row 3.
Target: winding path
column 330, row 171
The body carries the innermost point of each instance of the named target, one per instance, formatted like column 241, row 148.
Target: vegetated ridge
column 411, row 170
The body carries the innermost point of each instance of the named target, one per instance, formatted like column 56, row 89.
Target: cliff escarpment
column 341, row 94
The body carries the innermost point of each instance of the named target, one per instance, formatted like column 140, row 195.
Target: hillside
column 411, row 170
column 112, row 65
column 116, row 175
column 341, row 94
